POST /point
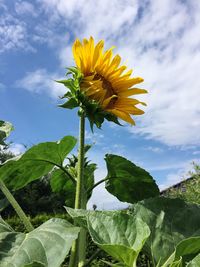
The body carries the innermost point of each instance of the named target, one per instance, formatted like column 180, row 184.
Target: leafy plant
column 167, row 230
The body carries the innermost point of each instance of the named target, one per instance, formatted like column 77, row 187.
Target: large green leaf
column 5, row 129
column 36, row 162
column 170, row 221
column 128, row 182
column 45, row 246
column 51, row 152
column 120, row 235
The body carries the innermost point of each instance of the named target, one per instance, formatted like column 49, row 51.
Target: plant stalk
column 29, row 227
column 79, row 246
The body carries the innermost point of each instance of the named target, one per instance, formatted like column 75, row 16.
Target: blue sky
column 160, row 40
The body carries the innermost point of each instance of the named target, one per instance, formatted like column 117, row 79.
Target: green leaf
column 128, row 182
column 5, row 129
column 120, row 235
column 51, row 152
column 188, row 249
column 45, row 246
column 36, row 162
column 195, row 262
column 70, row 85
column 170, row 221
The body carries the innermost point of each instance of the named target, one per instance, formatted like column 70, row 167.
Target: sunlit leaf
column 120, row 235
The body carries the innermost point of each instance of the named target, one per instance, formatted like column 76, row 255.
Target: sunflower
column 105, row 81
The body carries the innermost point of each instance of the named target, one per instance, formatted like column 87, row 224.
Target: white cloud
column 162, row 40
column 25, row 8
column 16, row 149
column 181, row 174
column 13, row 33
column 40, row 81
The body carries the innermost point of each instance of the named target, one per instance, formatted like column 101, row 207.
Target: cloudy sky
column 160, row 40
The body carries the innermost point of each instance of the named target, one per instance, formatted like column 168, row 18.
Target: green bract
column 76, row 98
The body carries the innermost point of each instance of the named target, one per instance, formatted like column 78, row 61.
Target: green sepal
column 112, row 117
column 70, row 104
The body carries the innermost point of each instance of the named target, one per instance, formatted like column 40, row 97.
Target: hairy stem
column 79, row 246
column 29, row 227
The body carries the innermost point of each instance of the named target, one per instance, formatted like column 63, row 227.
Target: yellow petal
column 132, row 91
column 122, row 115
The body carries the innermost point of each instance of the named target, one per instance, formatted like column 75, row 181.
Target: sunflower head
column 100, row 86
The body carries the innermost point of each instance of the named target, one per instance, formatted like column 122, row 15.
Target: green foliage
column 195, row 262
column 170, row 221
column 187, row 250
column 5, row 129
column 36, row 198
column 120, row 235
column 167, row 230
column 128, row 182
column 36, row 162
column 48, row 244
column 36, row 221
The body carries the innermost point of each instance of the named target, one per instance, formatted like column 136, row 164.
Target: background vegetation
column 38, row 200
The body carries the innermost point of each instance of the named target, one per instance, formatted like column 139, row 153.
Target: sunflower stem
column 78, row 250
column 29, row 227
